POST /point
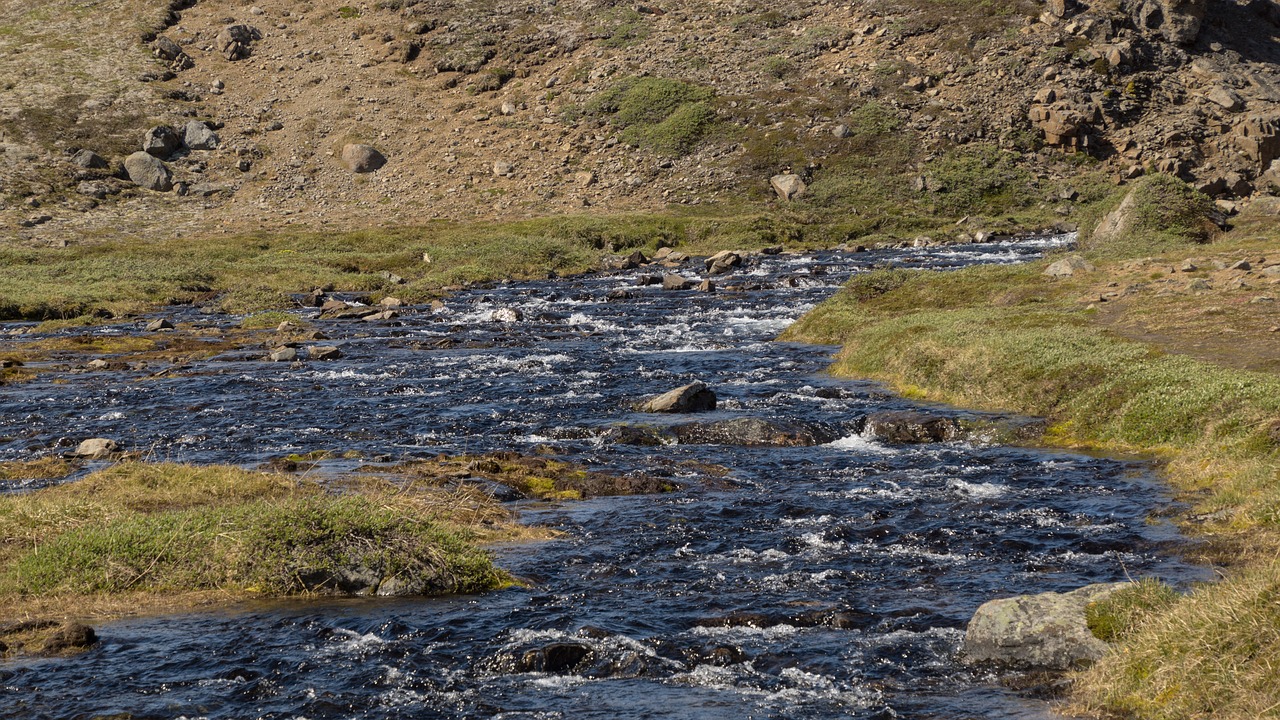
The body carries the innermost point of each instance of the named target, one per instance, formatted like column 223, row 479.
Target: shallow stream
column 821, row 582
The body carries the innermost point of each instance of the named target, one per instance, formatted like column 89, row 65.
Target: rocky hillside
column 206, row 116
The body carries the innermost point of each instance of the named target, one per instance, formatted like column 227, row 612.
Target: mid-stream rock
column 96, row 449
column 1037, row 632
column 691, row 398
column 910, row 426
column 755, row 432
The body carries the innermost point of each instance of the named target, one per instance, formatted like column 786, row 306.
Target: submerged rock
column 755, row 432
column 1037, row 632
column 691, row 398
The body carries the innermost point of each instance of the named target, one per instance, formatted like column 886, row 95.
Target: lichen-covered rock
column 1037, row 632
column 1178, row 21
column 755, row 432
column 147, row 171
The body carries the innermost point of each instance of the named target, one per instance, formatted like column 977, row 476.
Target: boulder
column 910, row 426
column 1037, row 632
column 1178, row 21
column 723, row 261
column 676, row 282
column 283, row 354
column 96, row 449
column 148, row 172
column 506, row 315
column 161, row 141
column 755, row 432
column 1068, row 266
column 1224, row 98
column 158, row 325
column 197, row 136
column 360, row 158
column 234, row 41
column 1115, row 224
column 324, row 352
column 90, row 160
column 694, row 397
column 502, row 168
column 789, row 186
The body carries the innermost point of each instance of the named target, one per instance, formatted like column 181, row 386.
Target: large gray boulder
column 197, row 136
column 362, row 158
column 694, row 397
column 149, row 172
column 1037, row 632
column 788, row 186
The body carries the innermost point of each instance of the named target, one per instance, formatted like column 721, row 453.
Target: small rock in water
column 506, row 315
column 909, row 426
column 675, row 282
column 706, row 286
column 694, row 397
column 324, row 352
column 283, row 354
column 158, row 325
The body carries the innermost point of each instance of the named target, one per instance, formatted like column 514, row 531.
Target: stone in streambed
column 96, row 449
column 910, row 427
column 691, row 398
column 755, row 432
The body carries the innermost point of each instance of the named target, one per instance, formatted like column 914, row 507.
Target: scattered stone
column 584, row 178
column 1240, row 265
column 161, row 141
column 1069, row 266
column 158, row 325
column 676, row 282
column 502, row 168
column 96, row 449
column 283, row 354
column 90, row 160
column 841, row 131
column 1037, row 632
column 1188, row 267
column 706, row 286
column 383, row 316
column 506, row 315
column 147, row 171
column 788, row 186
column 691, row 398
column 197, row 136
column 722, row 262
column 360, row 158
column 391, row 302
column 1225, row 99
column 910, row 427
column 323, row 352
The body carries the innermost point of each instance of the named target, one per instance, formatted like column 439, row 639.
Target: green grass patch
column 665, row 115
column 168, row 529
column 1124, row 611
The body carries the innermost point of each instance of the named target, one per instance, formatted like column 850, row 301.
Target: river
column 817, row 582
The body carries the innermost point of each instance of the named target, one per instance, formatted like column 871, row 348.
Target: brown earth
column 447, row 89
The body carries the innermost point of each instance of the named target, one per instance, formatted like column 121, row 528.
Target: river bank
column 1157, row 345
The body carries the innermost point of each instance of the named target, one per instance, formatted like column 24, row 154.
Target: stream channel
column 851, row 568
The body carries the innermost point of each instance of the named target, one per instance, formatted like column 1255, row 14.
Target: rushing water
column 821, row 582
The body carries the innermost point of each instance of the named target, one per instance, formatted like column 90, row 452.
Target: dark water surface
column 846, row 571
